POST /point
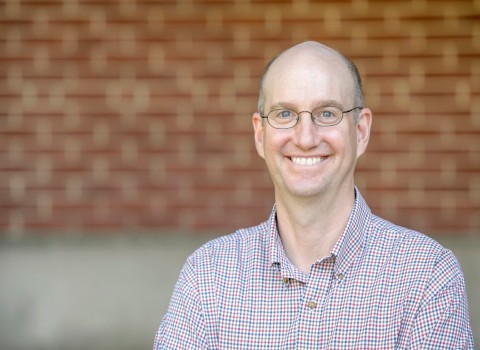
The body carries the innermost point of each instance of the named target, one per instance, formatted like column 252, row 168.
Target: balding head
column 311, row 52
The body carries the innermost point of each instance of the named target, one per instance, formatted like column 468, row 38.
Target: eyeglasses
column 321, row 116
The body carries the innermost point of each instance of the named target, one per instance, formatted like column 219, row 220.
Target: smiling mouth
column 307, row 161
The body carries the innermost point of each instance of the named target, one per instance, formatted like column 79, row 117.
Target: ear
column 258, row 129
column 363, row 130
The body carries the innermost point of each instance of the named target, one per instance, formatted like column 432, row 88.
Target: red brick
column 156, row 99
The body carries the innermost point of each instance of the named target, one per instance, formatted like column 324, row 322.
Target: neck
column 310, row 227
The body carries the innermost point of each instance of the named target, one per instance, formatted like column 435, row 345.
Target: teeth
column 307, row 160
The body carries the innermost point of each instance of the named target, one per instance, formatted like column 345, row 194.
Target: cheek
column 274, row 142
column 343, row 141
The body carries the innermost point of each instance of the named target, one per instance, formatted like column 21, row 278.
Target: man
column 322, row 272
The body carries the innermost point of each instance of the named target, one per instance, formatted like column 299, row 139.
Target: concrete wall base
column 111, row 292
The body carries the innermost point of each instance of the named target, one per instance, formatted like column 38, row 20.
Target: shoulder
column 232, row 248
column 412, row 251
column 384, row 232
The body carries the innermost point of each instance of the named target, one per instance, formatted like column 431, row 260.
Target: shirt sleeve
column 183, row 325
column 443, row 321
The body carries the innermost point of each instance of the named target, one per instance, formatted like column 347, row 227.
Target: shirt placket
column 313, row 329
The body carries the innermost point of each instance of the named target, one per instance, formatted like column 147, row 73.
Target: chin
column 306, row 191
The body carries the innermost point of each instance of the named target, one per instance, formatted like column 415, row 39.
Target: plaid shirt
column 382, row 287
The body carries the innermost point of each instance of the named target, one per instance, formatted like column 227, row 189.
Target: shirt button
column 312, row 304
column 340, row 276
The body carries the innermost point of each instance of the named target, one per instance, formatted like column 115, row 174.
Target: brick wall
column 136, row 115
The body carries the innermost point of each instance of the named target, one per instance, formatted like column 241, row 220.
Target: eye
column 284, row 114
column 328, row 115
column 325, row 114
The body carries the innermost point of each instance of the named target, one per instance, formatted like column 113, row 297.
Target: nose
column 306, row 131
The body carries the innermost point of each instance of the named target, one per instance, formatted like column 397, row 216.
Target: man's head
column 308, row 159
column 356, row 78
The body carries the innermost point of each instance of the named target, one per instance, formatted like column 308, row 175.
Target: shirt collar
column 277, row 253
column 351, row 241
column 345, row 249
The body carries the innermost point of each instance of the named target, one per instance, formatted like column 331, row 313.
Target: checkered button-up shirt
column 382, row 287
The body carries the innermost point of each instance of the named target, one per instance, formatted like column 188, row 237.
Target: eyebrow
column 324, row 103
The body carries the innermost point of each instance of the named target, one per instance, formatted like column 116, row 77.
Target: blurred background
column 126, row 142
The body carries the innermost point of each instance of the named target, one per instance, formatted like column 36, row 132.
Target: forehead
column 306, row 77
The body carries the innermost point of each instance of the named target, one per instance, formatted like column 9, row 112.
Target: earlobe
column 258, row 133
